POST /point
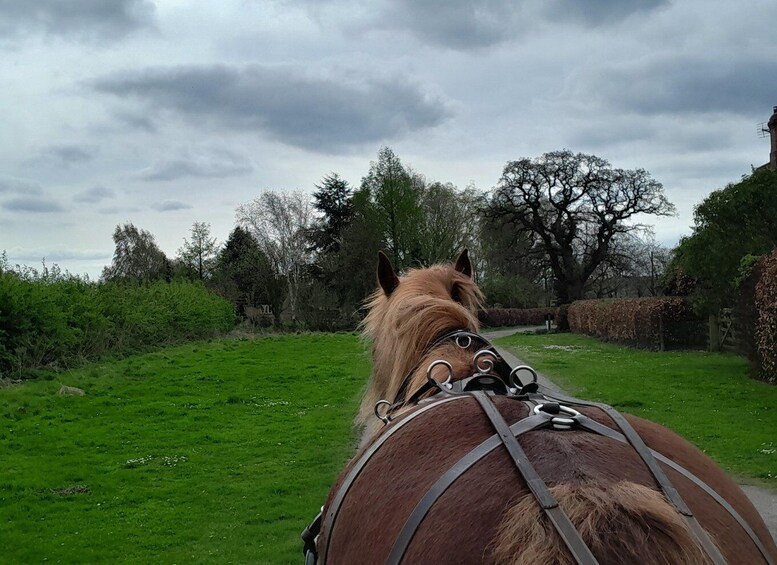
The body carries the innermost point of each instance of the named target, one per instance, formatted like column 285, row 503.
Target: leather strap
column 501, row 367
column 666, row 486
column 594, row 426
column 448, row 478
column 337, row 502
column 577, row 547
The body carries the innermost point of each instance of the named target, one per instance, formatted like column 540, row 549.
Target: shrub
column 651, row 323
column 497, row 317
column 53, row 320
column 766, row 328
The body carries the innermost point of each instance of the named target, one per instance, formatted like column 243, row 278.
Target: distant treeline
column 51, row 320
column 554, row 230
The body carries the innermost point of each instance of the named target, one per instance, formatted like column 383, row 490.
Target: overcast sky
column 167, row 112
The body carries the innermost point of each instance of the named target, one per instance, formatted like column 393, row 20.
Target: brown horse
column 488, row 514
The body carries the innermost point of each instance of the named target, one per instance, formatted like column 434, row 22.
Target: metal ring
column 562, row 408
column 385, row 418
column 558, row 421
column 447, row 383
column 519, row 368
column 489, row 362
column 468, row 342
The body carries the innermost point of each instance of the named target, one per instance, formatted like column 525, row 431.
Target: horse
column 543, row 489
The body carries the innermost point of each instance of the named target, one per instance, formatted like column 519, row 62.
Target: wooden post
column 714, row 339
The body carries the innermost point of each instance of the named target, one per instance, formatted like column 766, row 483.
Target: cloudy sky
column 168, row 112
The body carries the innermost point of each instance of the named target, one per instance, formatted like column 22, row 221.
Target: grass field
column 213, row 452
column 706, row 397
column 223, row 451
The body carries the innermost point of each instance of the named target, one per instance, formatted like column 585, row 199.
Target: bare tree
column 573, row 206
column 651, row 260
column 280, row 222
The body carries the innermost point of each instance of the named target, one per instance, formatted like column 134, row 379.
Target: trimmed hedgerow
column 655, row 323
column 766, row 326
column 498, row 317
column 54, row 320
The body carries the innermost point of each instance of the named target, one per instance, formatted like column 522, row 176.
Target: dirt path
column 764, row 500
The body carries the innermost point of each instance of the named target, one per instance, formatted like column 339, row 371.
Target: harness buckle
column 565, row 422
column 309, row 536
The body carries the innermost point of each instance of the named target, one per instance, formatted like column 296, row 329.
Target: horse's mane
column 426, row 304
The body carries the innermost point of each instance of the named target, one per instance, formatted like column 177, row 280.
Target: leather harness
column 547, row 410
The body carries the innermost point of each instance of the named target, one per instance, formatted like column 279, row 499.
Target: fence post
column 714, row 339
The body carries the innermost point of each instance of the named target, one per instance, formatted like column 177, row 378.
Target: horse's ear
column 463, row 264
column 386, row 276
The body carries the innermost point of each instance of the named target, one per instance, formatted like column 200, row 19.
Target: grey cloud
column 136, row 121
column 170, row 206
column 83, row 19
column 457, row 24
column 322, row 114
column 599, row 12
column 667, row 133
column 215, row 164
column 68, row 154
column 688, row 85
column 18, row 186
column 473, row 24
column 31, row 204
column 93, row 195
column 113, row 210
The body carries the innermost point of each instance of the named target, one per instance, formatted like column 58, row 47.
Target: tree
column 198, row 255
column 333, row 199
column 731, row 223
column 243, row 273
column 572, row 206
column 449, row 223
column 350, row 273
column 281, row 222
column 137, row 256
column 512, row 276
column 395, row 194
column 651, row 261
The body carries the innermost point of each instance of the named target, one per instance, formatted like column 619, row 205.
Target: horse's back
column 469, row 521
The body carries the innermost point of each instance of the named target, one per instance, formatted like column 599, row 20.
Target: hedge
column 55, row 322
column 655, row 323
column 766, row 327
column 500, row 317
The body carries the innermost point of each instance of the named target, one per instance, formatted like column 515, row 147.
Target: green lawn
column 223, row 451
column 706, row 397
column 211, row 452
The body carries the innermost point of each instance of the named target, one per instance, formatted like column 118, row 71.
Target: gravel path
column 764, row 500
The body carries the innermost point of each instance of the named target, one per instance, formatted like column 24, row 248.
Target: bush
column 650, row 323
column 499, row 317
column 766, row 326
column 511, row 292
column 54, row 320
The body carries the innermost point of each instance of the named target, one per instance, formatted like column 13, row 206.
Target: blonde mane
column 425, row 304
